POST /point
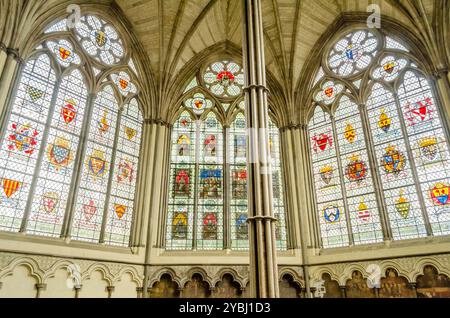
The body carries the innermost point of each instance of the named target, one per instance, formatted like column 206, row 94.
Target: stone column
column 263, row 262
column 9, row 65
column 77, row 289
column 110, row 290
column 343, row 291
column 39, row 289
column 139, row 291
column 413, row 287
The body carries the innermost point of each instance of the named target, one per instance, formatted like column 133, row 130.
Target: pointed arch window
column 68, row 146
column 386, row 136
column 207, row 207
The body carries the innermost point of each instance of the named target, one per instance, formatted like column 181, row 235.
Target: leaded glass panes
column 358, row 182
column 429, row 148
column 91, row 198
column 277, row 185
column 56, row 170
column 180, row 220
column 329, row 198
column 210, row 184
column 237, row 151
column 22, row 139
column 394, row 167
column 41, row 142
column 123, row 190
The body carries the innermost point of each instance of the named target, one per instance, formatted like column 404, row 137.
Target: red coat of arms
column 69, row 111
column 322, row 141
column 419, row 112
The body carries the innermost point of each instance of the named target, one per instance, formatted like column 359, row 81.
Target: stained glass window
column 207, row 203
column 51, row 176
column 392, row 150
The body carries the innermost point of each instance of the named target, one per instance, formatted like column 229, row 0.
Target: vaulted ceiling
column 174, row 31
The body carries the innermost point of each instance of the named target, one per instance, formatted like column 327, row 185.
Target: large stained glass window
column 385, row 138
column 207, row 202
column 69, row 150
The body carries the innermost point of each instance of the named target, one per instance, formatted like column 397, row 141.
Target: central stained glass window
column 379, row 152
column 207, row 207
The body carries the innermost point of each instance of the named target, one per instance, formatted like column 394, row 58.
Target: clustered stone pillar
column 152, row 192
column 263, row 262
column 9, row 65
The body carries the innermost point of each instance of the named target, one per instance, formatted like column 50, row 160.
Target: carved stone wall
column 44, row 276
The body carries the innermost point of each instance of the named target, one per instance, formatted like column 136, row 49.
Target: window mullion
column 111, row 176
column 78, row 166
column 385, row 224
column 196, row 175
column 40, row 156
column 341, row 180
column 413, row 165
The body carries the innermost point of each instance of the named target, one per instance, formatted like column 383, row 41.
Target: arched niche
column 227, row 288
column 357, row 287
column 165, row 288
column 332, row 289
column 196, row 288
column 432, row 284
column 395, row 286
column 289, row 288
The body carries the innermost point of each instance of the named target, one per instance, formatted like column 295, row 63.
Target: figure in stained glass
column 182, row 186
column 209, row 146
column 240, row 146
column 242, row 227
column 180, row 224
column 239, row 183
column 183, row 143
column 210, row 226
column 210, row 183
